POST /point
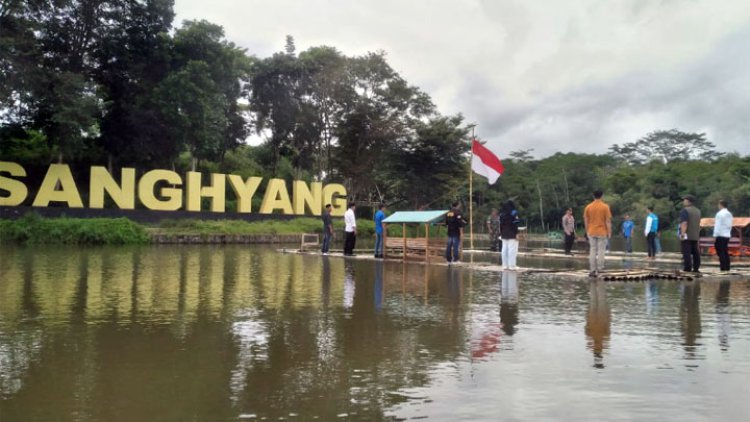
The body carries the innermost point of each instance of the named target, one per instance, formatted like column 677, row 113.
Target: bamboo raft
column 614, row 275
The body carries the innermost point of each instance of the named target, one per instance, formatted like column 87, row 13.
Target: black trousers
column 722, row 250
column 691, row 255
column 651, row 239
column 349, row 240
column 569, row 239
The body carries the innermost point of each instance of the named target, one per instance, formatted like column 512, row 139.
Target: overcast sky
column 552, row 75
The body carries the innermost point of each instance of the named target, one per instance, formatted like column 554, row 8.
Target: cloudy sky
column 552, row 75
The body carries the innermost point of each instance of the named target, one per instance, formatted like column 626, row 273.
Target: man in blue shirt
column 627, row 232
column 327, row 229
column 650, row 230
column 379, row 217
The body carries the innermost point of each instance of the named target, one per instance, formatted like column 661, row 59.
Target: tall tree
column 667, row 146
column 430, row 164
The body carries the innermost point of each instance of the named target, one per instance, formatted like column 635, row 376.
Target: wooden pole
column 471, row 196
column 403, row 233
column 426, row 243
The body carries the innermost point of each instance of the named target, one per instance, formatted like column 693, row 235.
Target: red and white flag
column 485, row 162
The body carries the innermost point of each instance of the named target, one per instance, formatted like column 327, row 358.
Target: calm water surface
column 246, row 333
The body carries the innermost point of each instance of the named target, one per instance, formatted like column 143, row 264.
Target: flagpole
column 471, row 194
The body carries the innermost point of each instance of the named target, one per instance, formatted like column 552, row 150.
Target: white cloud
column 549, row 75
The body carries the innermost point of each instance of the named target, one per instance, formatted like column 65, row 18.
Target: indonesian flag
column 485, row 162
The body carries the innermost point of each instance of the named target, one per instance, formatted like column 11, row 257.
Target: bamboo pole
column 471, row 196
column 426, row 243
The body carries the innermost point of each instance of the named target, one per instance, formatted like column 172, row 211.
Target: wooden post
column 403, row 233
column 471, row 199
column 385, row 238
column 426, row 243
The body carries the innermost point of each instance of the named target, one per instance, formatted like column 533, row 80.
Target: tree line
column 116, row 83
column 655, row 170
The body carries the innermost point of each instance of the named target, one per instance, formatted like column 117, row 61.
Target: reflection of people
column 327, row 229
column 597, row 219
column 325, row 279
column 454, row 220
column 509, row 302
column 493, row 228
column 598, row 322
column 349, row 285
column 627, row 233
column 509, row 221
column 350, row 230
column 690, row 219
column 690, row 314
column 649, row 230
column 723, row 317
column 569, row 228
column 722, row 233
column 379, row 217
column 652, row 297
column 378, row 285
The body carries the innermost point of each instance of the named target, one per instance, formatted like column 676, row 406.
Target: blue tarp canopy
column 423, row 217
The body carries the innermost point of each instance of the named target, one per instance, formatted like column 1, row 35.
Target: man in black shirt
column 454, row 220
column 690, row 220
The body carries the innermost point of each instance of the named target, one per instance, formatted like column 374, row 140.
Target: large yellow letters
column 123, row 194
column 195, row 192
column 335, row 194
column 162, row 190
column 146, row 187
column 58, row 174
column 276, row 197
column 303, row 195
column 17, row 191
column 244, row 191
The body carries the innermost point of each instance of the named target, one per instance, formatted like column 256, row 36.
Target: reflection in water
column 652, row 297
column 349, row 284
column 509, row 302
column 690, row 317
column 378, row 285
column 723, row 316
column 598, row 321
column 217, row 333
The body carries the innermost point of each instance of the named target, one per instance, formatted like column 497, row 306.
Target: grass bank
column 293, row 226
column 33, row 229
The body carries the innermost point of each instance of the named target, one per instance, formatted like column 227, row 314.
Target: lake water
column 228, row 333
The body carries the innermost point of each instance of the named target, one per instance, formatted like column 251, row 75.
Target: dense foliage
column 544, row 188
column 115, row 83
column 32, row 229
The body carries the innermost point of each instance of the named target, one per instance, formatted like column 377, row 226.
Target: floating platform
column 613, row 275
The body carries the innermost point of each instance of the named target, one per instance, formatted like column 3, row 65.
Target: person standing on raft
column 597, row 218
column 509, row 221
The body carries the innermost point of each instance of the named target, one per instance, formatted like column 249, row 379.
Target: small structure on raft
column 417, row 247
column 737, row 243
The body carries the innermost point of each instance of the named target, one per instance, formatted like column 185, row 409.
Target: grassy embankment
column 33, row 229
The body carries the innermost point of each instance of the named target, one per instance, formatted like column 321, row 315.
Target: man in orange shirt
column 597, row 219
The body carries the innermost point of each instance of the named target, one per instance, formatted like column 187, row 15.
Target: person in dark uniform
column 454, row 221
column 690, row 219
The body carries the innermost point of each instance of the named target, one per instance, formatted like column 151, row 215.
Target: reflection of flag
column 485, row 162
column 489, row 343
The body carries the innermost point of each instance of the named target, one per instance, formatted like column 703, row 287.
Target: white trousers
column 510, row 251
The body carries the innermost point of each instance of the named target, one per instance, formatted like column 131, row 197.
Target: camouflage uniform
column 494, row 225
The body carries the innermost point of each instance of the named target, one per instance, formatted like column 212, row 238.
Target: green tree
column 667, row 146
column 432, row 163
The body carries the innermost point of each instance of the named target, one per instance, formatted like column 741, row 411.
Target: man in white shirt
column 722, row 233
column 350, row 230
